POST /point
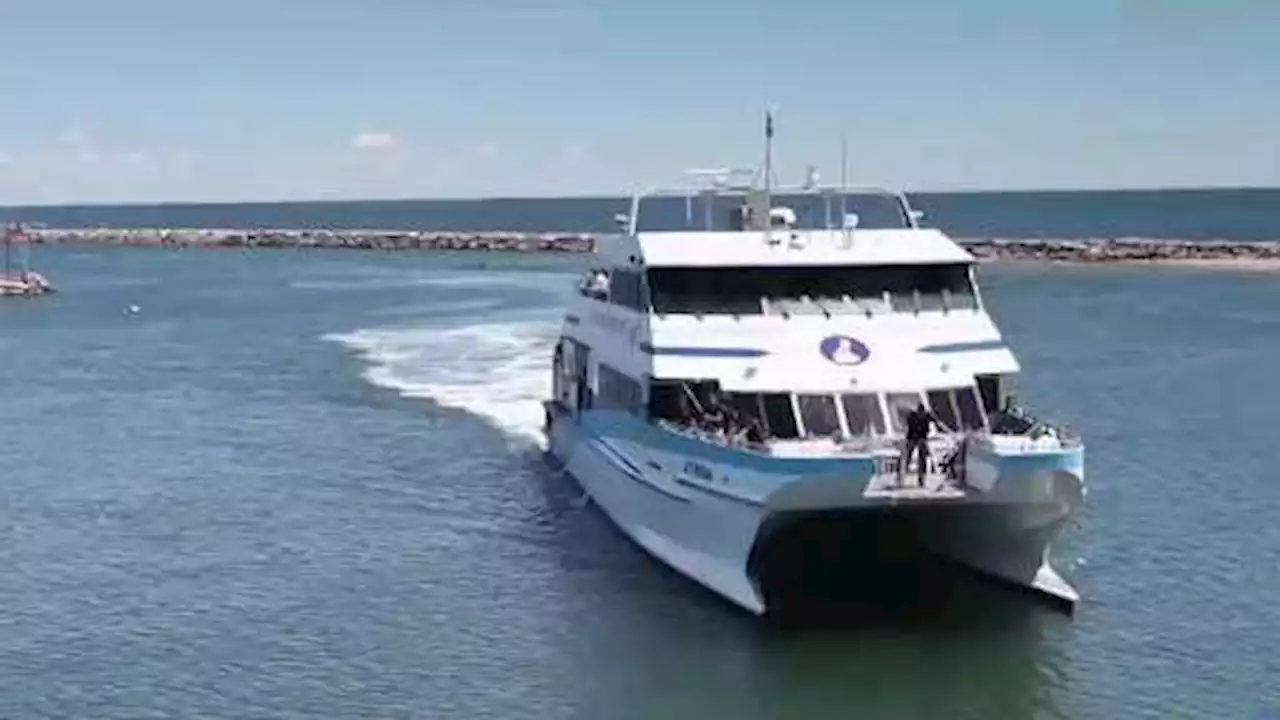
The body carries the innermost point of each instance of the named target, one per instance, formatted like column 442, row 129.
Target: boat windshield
column 811, row 290
column 758, row 417
column 723, row 212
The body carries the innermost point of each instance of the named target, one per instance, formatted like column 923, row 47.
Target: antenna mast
column 768, row 176
column 846, row 231
column 844, row 177
column 8, row 240
column 768, row 157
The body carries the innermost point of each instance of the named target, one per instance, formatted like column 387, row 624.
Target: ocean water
column 1242, row 215
column 300, row 484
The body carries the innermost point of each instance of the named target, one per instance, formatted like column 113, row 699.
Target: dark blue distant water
column 1244, row 215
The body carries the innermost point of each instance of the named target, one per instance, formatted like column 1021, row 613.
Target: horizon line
column 623, row 196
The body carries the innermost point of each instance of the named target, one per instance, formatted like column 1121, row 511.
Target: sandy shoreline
column 1249, row 264
column 1256, row 265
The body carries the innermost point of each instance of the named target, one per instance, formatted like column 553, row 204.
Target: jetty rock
column 1122, row 249
column 335, row 239
column 1078, row 250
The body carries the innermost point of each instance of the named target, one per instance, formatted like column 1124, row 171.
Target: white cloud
column 72, row 137
column 372, row 140
column 490, row 149
column 5, row 159
column 132, row 157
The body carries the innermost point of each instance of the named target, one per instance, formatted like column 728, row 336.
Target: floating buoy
column 132, row 310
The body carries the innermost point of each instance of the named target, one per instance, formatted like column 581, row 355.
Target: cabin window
column 576, row 358
column 561, row 375
column 682, row 401
column 780, row 416
column 748, row 407
column 617, row 391
column 677, row 401
column 577, row 366
column 989, row 388
column 971, row 417
column 862, row 414
column 900, row 404
column 626, row 288
column 811, row 290
column 818, row 415
column 667, row 401
column 683, row 291
column 940, row 403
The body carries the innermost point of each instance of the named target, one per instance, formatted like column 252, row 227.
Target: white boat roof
column 800, row 247
column 836, row 226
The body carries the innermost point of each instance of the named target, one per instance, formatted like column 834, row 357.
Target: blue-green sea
column 307, row 484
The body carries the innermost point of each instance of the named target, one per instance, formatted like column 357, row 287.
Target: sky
column 245, row 100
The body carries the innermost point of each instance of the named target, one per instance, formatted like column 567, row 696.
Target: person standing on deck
column 917, row 441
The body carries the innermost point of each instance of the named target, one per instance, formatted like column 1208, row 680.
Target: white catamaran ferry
column 740, row 361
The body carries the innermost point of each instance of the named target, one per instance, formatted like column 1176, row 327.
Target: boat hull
column 803, row 557
column 705, row 539
column 760, row 552
column 24, row 288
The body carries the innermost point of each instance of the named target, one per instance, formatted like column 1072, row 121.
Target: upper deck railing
column 723, row 206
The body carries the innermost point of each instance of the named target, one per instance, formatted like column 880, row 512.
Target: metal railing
column 908, row 216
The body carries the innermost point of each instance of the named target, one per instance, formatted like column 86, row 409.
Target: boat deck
column 936, row 487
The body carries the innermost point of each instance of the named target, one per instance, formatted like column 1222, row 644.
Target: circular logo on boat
column 844, row 350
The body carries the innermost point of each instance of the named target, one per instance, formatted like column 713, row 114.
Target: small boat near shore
column 19, row 280
column 736, row 378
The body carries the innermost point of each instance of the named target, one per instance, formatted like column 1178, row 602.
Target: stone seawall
column 1086, row 250
column 335, row 239
column 1094, row 250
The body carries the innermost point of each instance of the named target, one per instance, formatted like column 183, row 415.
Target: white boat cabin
column 828, row 321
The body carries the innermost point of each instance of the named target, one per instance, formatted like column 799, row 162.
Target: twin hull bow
column 731, row 518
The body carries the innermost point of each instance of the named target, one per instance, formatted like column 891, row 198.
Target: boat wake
column 498, row 371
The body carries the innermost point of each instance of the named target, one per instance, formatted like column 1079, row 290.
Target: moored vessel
column 19, row 280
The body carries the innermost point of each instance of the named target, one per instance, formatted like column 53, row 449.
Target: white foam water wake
column 500, row 371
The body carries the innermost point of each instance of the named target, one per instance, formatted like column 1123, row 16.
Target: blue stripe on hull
column 964, row 346
column 771, row 473
column 705, row 352
column 622, row 425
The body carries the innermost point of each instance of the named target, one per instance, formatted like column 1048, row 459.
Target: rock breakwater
column 1078, row 250
column 336, row 239
column 1094, row 250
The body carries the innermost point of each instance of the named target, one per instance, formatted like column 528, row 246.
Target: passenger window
column 970, row 414
column 819, row 415
column 746, row 405
column 625, row 289
column 778, row 413
column 989, row 387
column 862, row 413
column 899, row 405
column 618, row 391
column 940, row 403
